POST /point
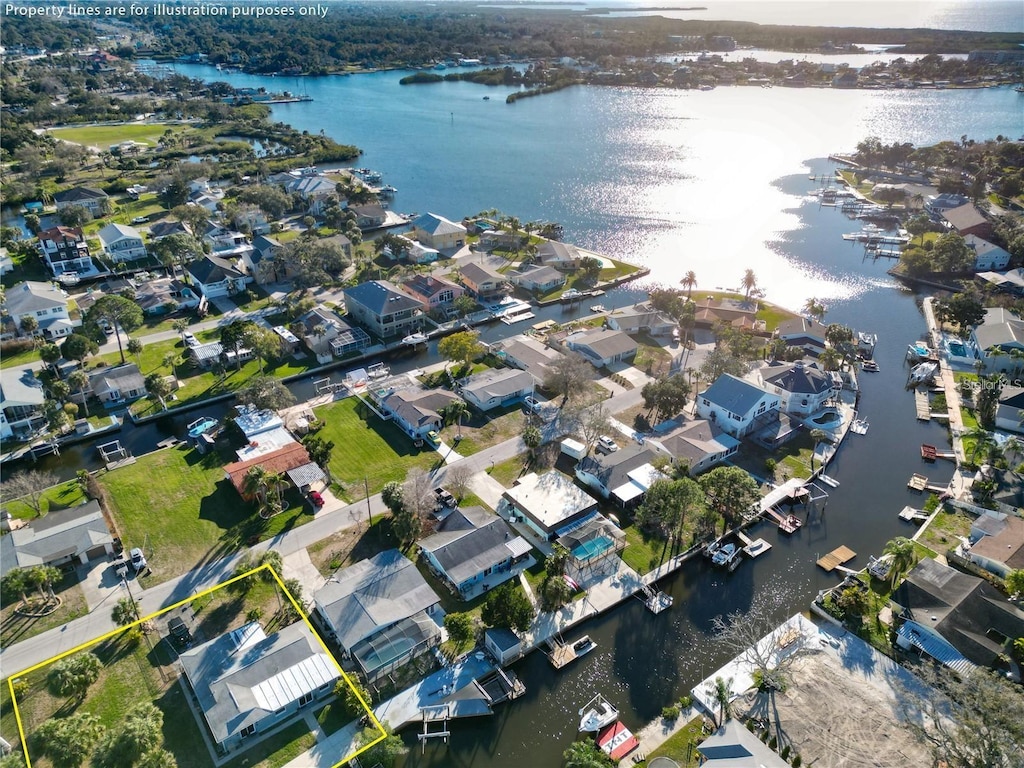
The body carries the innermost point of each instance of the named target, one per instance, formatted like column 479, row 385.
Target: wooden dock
column 923, row 406
column 836, row 558
column 917, row 483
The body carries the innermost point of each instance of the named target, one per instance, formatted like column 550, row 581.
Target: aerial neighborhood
column 299, row 471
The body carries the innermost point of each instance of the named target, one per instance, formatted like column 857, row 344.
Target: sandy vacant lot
column 839, row 710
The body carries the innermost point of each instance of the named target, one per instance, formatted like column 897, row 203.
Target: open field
column 103, row 136
column 367, row 448
column 179, row 501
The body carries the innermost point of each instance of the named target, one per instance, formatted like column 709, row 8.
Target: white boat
column 923, row 372
column 597, row 713
column 871, row 365
column 378, row 371
column 724, row 554
column 583, row 646
column 859, row 427
column 597, row 308
column 828, row 480
column 415, row 338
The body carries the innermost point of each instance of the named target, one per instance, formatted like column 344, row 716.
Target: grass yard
column 25, row 357
column 793, row 458
column 652, row 357
column 61, row 496
column 368, row 448
column 945, row 529
column 681, row 746
column 15, row 628
column 349, row 546
column 481, row 431
column 510, row 470
column 189, row 512
column 103, row 136
column 643, row 553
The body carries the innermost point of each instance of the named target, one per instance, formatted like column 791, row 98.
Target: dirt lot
column 839, row 710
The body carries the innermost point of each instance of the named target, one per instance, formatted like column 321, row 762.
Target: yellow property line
column 302, row 614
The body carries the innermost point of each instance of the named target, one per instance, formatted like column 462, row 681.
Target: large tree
column 731, row 492
column 507, row 606
column 586, row 754
column 176, row 250
column 569, row 376
column 462, row 347
column 69, row 741
column 78, row 347
column 265, row 392
column 28, row 486
column 115, row 312
column 235, row 337
column 664, row 398
column 667, row 505
column 158, row 387
column 965, row 310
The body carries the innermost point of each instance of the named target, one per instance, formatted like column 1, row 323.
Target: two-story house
column 46, row 304
column 803, row 389
column 438, row 232
column 316, row 192
column 736, row 406
column 432, row 292
column 21, row 402
column 482, row 281
column 122, row 243
column 214, row 276
column 383, row 308
column 369, row 216
column 987, row 256
column 95, row 201
column 64, row 249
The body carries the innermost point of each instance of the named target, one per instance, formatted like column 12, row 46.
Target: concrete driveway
column 102, row 586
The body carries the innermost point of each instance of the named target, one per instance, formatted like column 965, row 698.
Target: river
column 714, row 182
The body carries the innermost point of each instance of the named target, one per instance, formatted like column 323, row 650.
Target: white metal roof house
column 474, row 551
column 602, row 346
column 75, row 535
column 246, row 682
column 21, row 401
column 381, row 612
column 122, row 243
column 496, row 387
column 438, row 232
column 737, row 406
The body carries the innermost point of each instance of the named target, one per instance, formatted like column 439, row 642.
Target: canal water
column 714, row 182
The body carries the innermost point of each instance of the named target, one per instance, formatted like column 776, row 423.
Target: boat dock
column 562, row 654
column 754, row 548
column 787, row 524
column 517, row 317
column 930, row 453
column 836, row 558
column 923, row 406
column 913, row 515
column 655, row 600
column 920, row 484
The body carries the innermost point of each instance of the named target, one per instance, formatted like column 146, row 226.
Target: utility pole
column 369, row 511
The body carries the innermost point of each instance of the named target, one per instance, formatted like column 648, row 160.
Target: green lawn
column 480, row 431
column 368, row 448
column 103, row 136
column 643, row 553
column 15, row 628
column 945, row 528
column 681, row 746
column 191, row 515
column 510, row 470
column 25, row 357
column 61, row 496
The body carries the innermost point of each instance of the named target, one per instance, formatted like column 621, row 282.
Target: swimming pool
column 828, row 419
column 591, row 549
column 956, row 348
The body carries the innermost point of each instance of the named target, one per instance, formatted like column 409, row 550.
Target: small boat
column 597, row 714
column 923, row 372
column 487, row 98
column 828, row 480
column 597, row 308
column 859, row 427
column 378, row 371
column 724, row 554
column 617, row 741
column 583, row 646
column 871, row 365
column 415, row 338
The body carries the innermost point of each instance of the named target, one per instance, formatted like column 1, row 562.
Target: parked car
column 140, row 219
column 606, row 445
column 445, row 498
column 190, row 339
column 433, row 437
column 316, row 499
column 180, row 636
column 138, row 559
column 532, row 404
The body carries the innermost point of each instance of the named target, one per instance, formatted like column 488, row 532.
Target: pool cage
column 384, row 652
column 593, row 547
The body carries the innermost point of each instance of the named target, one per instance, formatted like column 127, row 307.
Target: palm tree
column 255, row 484
column 180, row 326
column 458, row 408
column 171, row 361
column 276, row 483
column 983, row 443
column 135, row 348
column 901, row 549
column 814, row 309
column 723, row 695
column 749, row 283
column 689, row 282
column 80, row 381
column 818, row 436
column 830, row 359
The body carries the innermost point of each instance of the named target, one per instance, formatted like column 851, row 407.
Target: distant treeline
column 365, row 35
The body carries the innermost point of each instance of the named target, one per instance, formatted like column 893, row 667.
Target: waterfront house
column 214, row 276
column 473, row 551
column 438, row 232
column 697, row 444
column 245, row 682
column 1000, row 339
column 802, row 332
column 95, row 201
column 732, row 746
column 502, row 239
column 432, row 292
column 383, row 308
column 414, row 252
column 64, row 249
column 641, row 318
column 63, row 537
column 593, row 545
column 967, row 220
column 496, row 387
column 323, row 330
column 1011, row 281
column 622, row 476
column 803, row 388
column 165, row 294
column 987, row 256
column 122, row 243
column 503, row 644
column 528, row 354
column 1010, row 408
column 551, row 504
column 730, row 311
column 369, row 216
column 561, row 256
column 44, row 302
column 415, row 411
column 381, row 612
column 1006, row 493
column 118, row 383
column 279, row 461
column 602, row 346
column 1000, row 547
column 482, row 281
column 538, row 279
column 163, row 229
column 21, row 402
column 936, row 204
column 956, row 619
column 736, row 406
column 317, row 192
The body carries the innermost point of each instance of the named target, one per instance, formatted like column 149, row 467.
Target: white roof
column 292, row 683
column 264, row 443
column 114, row 232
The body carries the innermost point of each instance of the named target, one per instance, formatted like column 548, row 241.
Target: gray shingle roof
column 76, row 194
column 381, row 297
column 468, row 542
column 797, row 378
column 612, row 469
column 122, row 377
column 480, row 273
column 213, row 269
column 500, row 382
column 19, row 386
column 30, row 296
column 438, row 225
column 734, row 395
column 603, row 343
column 59, row 534
column 373, row 594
